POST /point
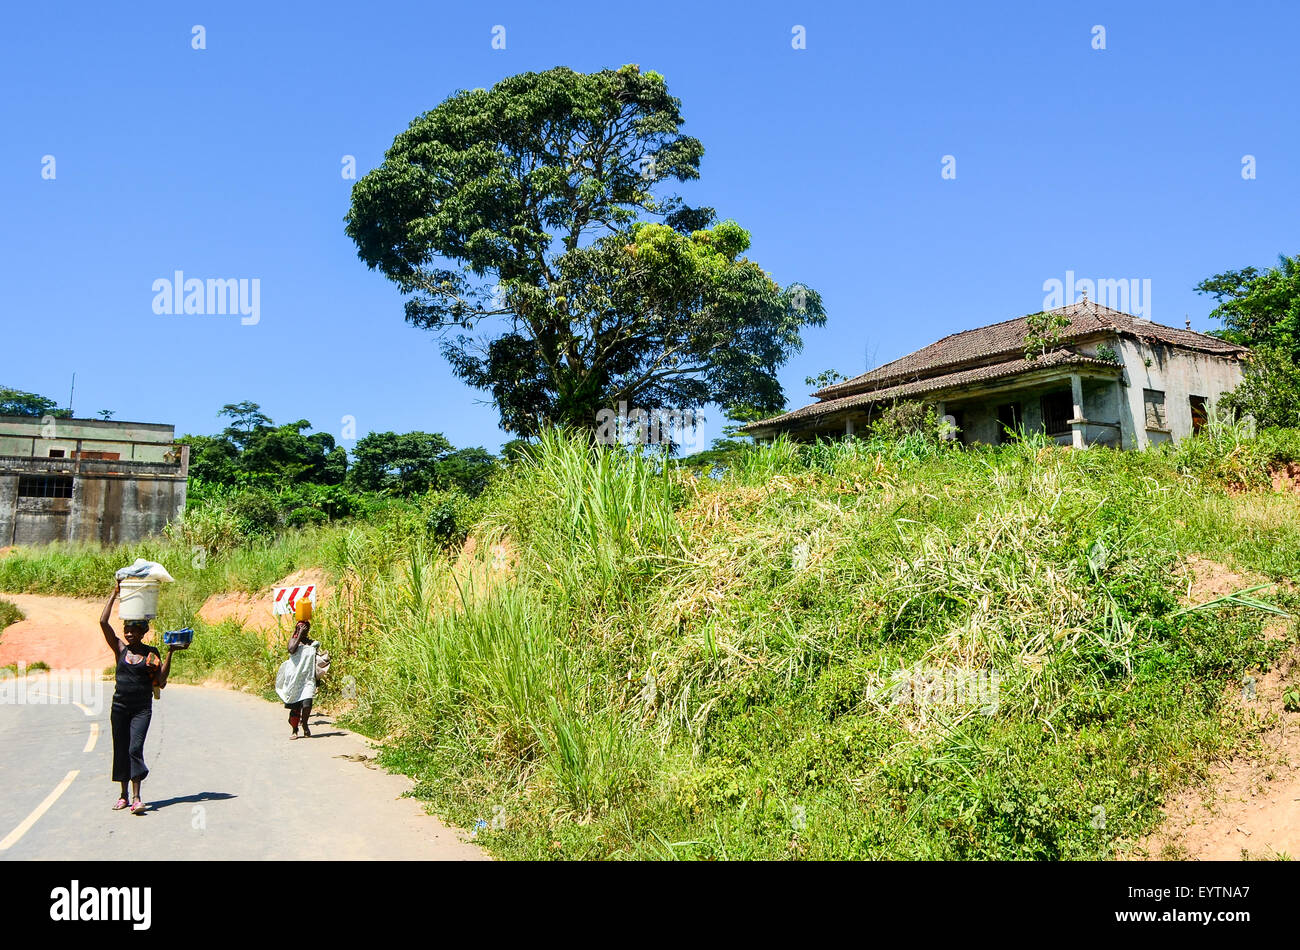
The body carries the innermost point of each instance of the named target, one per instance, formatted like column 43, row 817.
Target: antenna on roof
column 70, row 392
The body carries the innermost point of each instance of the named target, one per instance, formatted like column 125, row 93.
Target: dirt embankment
column 254, row 611
column 1250, row 806
column 62, row 632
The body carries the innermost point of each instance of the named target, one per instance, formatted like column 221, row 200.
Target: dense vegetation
column 638, row 660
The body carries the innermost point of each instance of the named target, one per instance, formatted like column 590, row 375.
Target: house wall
column 1177, row 373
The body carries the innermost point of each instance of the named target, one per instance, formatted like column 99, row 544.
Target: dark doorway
column 1058, row 410
column 1010, row 419
column 1200, row 412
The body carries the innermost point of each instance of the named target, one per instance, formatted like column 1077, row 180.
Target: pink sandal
column 120, row 804
column 138, row 807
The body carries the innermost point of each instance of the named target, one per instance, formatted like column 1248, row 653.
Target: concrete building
column 1110, row 379
column 88, row 479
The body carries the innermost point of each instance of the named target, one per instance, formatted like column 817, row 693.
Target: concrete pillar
column 848, row 427
column 8, row 508
column 1077, row 424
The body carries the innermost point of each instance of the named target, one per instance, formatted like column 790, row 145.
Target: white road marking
column 13, row 837
column 94, row 734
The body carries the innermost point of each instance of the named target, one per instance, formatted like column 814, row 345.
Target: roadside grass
column 683, row 667
column 86, row 570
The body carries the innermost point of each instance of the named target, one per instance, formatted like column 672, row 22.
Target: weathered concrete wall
column 114, row 509
column 1102, row 403
column 103, row 507
column 1179, row 374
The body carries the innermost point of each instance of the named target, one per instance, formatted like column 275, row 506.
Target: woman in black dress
column 140, row 670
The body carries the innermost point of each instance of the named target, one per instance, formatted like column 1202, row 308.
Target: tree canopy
column 15, row 402
column 526, row 225
column 412, row 462
column 1261, row 310
column 252, row 449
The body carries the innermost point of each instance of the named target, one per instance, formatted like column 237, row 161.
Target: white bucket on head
column 139, row 599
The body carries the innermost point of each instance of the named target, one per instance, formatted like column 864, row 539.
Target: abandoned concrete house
column 88, row 479
column 1111, row 379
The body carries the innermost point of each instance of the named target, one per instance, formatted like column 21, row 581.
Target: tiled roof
column 1013, row 367
column 1004, row 339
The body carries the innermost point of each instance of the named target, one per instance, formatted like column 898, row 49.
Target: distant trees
column 413, row 462
column 253, row 452
column 15, row 402
column 251, row 449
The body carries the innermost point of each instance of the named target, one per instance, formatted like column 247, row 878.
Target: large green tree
column 527, row 225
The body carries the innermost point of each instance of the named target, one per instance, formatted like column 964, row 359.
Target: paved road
column 225, row 782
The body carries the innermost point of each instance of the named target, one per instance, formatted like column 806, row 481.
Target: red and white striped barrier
column 284, row 598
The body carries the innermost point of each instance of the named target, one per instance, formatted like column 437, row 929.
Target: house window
column 1154, row 400
column 1009, row 421
column 44, row 486
column 56, row 453
column 1200, row 412
column 1058, row 410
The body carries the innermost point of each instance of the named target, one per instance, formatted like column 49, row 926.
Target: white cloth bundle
column 145, row 570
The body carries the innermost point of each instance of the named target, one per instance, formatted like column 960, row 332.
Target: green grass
column 696, row 667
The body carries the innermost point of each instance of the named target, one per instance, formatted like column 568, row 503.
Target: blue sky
column 225, row 162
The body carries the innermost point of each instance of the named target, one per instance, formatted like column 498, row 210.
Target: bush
column 302, row 517
column 256, row 511
column 9, row 613
column 444, row 516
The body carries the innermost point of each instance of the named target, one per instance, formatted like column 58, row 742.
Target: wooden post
column 1078, row 425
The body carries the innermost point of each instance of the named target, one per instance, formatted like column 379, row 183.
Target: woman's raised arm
column 114, row 643
column 165, row 670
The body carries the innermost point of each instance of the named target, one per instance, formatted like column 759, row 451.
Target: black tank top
column 134, row 674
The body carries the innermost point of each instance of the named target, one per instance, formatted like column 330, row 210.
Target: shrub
column 256, row 511
column 302, row 517
column 9, row 613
